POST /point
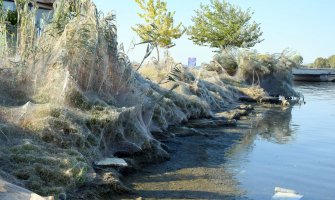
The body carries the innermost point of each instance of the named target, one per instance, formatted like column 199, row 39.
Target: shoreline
column 80, row 115
column 185, row 175
column 197, row 129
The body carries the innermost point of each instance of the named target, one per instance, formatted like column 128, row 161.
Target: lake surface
column 293, row 148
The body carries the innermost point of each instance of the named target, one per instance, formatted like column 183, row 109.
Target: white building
column 43, row 4
column 45, row 8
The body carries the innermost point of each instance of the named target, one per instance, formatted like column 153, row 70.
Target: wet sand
column 195, row 170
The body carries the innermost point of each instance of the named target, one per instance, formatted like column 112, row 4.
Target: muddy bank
column 75, row 116
column 195, row 169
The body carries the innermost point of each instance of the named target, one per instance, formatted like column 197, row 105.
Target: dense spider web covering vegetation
column 71, row 97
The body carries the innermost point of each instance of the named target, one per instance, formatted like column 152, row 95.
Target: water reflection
column 291, row 148
column 271, row 125
column 197, row 168
column 276, row 126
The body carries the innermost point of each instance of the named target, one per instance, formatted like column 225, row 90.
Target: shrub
column 298, row 59
column 321, row 63
column 331, row 61
column 272, row 72
column 227, row 61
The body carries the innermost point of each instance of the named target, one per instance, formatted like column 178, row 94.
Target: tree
column 298, row 59
column 221, row 25
column 158, row 30
column 321, row 63
column 3, row 37
column 331, row 61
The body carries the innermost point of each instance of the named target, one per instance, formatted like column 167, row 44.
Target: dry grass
column 255, row 92
column 272, row 72
column 76, row 98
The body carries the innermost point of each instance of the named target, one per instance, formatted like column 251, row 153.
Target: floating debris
column 286, row 194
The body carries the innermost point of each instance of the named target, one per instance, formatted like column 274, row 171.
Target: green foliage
column 331, row 61
column 8, row 22
column 298, row 59
column 159, row 26
column 26, row 21
column 2, row 13
column 321, row 63
column 222, row 25
column 12, row 17
column 2, row 29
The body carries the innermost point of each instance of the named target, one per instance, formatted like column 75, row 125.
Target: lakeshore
column 271, row 147
column 77, row 116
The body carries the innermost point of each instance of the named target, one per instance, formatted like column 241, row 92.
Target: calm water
column 293, row 149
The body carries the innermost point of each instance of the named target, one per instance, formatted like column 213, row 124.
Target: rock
column 115, row 183
column 286, row 194
column 104, row 183
column 244, row 118
column 285, row 103
column 166, row 148
column 237, row 113
column 132, row 167
column 62, row 196
column 162, row 135
column 233, row 114
column 211, row 123
column 10, row 191
column 245, row 107
column 271, row 100
column 111, row 162
column 126, row 149
column 247, row 99
column 185, row 131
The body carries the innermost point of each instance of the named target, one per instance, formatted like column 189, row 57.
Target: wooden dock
column 314, row 75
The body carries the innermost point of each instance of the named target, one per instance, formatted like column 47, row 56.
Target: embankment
column 76, row 100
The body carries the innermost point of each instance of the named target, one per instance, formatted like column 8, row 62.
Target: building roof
column 46, row 4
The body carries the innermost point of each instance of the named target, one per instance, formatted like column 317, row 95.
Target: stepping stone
column 111, row 162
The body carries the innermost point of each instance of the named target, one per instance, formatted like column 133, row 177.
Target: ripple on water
column 297, row 151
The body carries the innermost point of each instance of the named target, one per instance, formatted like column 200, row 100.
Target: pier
column 314, row 75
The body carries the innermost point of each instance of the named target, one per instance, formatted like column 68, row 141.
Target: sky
column 303, row 26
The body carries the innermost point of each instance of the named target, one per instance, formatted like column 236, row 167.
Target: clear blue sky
column 304, row 26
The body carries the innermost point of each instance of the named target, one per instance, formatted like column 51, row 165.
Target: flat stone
column 211, row 123
column 232, row 114
column 111, row 162
column 245, row 107
column 10, row 191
